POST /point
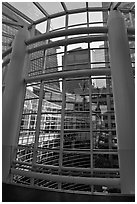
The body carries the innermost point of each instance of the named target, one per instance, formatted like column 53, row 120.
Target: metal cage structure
column 68, row 97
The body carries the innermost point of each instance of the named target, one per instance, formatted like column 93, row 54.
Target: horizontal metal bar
column 104, row 130
column 35, row 98
column 8, row 51
column 68, row 179
column 68, row 32
column 69, row 41
column 76, row 130
column 69, row 74
column 50, row 113
column 108, row 153
column 80, row 169
column 50, row 130
column 75, row 112
column 25, row 129
column 105, row 170
column 7, row 22
column 7, row 61
column 29, row 113
column 80, row 151
column 85, row 39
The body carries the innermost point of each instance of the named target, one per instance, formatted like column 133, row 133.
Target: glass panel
column 79, row 18
column 53, row 60
column 57, row 23
column 52, row 7
column 52, row 97
column 76, row 140
column 105, row 161
column 98, row 57
column 75, row 5
column 95, row 17
column 41, row 27
column 24, row 155
column 48, row 158
column 49, row 138
column 46, row 183
column 77, row 47
column 76, row 58
column 94, row 4
column 31, row 106
column 27, row 137
column 78, row 90
column 76, row 160
column 29, row 9
column 76, row 187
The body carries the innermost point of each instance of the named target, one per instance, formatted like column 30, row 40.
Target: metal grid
column 63, row 130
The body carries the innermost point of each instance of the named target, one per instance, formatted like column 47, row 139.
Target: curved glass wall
column 68, row 129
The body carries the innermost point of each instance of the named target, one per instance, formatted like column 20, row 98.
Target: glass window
column 79, row 18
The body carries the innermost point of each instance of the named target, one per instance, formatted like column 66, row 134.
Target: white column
column 12, row 102
column 124, row 99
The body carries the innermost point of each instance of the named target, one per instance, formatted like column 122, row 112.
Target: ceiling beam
column 41, row 9
column 114, row 5
column 64, row 7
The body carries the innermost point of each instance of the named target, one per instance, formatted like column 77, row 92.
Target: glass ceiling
column 56, row 7
column 39, row 10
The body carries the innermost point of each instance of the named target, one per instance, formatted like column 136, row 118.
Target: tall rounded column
column 12, row 101
column 124, row 99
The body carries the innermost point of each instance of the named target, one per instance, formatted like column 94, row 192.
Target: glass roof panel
column 94, row 4
column 29, row 9
column 52, row 7
column 75, row 5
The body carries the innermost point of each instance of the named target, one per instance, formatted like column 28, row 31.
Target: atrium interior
column 68, row 101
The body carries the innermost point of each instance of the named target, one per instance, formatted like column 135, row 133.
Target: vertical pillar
column 13, row 101
column 124, row 99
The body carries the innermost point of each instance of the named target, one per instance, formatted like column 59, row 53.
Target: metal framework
column 59, row 136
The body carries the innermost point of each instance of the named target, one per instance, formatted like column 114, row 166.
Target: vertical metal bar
column 91, row 128
column 108, row 84
column 63, row 107
column 124, row 97
column 13, row 101
column 90, row 105
column 38, row 122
